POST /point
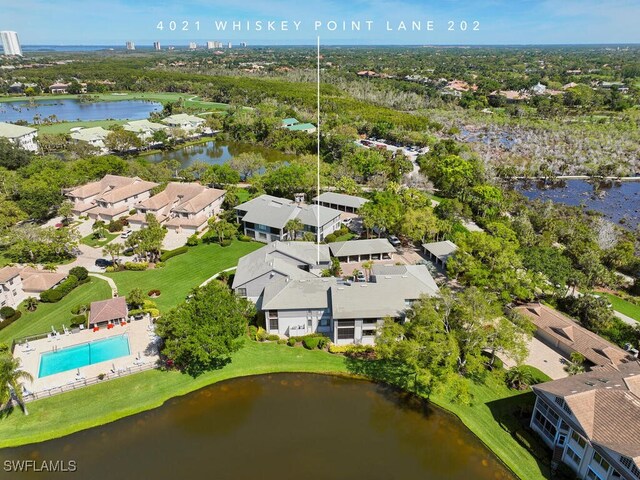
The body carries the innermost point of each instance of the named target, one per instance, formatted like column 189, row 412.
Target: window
column 597, row 458
column 273, row 324
column 545, row 426
column 368, row 333
column 370, row 321
column 346, row 333
column 578, row 439
column 346, row 323
column 629, row 465
column 242, row 292
column 591, row 475
column 575, row 458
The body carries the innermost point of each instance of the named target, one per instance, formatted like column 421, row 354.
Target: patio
column 141, row 344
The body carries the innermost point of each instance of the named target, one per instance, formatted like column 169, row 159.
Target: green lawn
column 99, row 404
column 184, row 272
column 626, row 308
column 98, row 243
column 345, row 237
column 65, row 127
column 55, row 314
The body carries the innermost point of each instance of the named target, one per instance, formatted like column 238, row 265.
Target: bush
column 128, row 253
column 116, row 225
column 136, row 311
column 83, row 307
column 172, row 253
column 80, row 273
column 261, row 336
column 273, row 337
column 225, row 243
column 291, row 342
column 281, row 341
column 244, row 238
column 153, row 293
column 154, row 312
column 193, row 240
column 7, row 312
column 50, row 296
column 497, row 363
column 352, row 350
column 110, row 269
column 78, row 320
column 136, row 266
column 8, row 321
column 330, row 238
column 252, row 332
column 310, row 343
column 56, row 294
column 160, row 265
column 133, row 211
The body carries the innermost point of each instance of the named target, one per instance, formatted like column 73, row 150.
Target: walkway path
column 626, row 319
column 112, row 284
column 216, row 276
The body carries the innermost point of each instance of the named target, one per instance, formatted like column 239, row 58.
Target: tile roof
column 571, row 335
column 126, row 191
column 37, row 281
column 106, row 310
column 182, row 197
column 7, row 273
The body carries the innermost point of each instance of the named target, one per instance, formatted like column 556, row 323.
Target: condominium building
column 156, row 46
column 131, row 46
column 10, row 43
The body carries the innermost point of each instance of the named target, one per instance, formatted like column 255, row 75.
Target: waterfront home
column 440, row 252
column 340, row 201
column 566, row 336
column 362, row 250
column 278, row 260
column 104, row 312
column 591, row 420
column 182, row 207
column 109, row 198
column 292, row 124
column 23, row 137
column 265, row 218
column 94, row 136
column 144, row 129
column 188, row 123
column 284, row 280
column 287, row 122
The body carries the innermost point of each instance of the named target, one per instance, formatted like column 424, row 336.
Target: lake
column 619, row 203
column 274, row 427
column 71, row 109
column 215, row 153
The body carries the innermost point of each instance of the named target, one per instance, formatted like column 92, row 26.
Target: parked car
column 360, row 277
column 395, row 241
column 126, row 234
column 347, row 222
column 103, row 263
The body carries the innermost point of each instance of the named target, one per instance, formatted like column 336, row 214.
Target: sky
column 489, row 22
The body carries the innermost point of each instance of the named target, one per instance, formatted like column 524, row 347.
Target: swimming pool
column 83, row 355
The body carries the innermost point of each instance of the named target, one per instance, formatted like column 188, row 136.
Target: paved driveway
column 544, row 358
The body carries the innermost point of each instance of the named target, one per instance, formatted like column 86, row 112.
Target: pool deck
column 141, row 341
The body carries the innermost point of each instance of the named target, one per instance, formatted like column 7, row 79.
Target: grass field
column 626, row 308
column 98, row 243
column 103, row 403
column 55, row 314
column 183, row 272
column 65, row 127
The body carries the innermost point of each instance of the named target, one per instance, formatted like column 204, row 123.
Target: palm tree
column 294, row 225
column 519, row 377
column 576, row 364
column 99, row 229
column 31, row 304
column 113, row 250
column 51, row 267
column 10, row 380
column 367, row 266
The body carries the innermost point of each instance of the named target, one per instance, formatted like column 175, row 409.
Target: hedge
column 244, row 238
column 172, row 253
column 225, row 243
column 80, row 273
column 193, row 240
column 78, row 320
column 291, row 342
column 7, row 312
column 56, row 294
column 136, row 266
column 8, row 321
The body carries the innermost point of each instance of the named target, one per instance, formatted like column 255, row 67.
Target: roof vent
column 591, row 384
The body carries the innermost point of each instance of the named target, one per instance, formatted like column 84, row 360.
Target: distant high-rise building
column 156, row 46
column 211, row 45
column 10, row 43
column 131, row 46
column 243, row 44
column 192, row 45
column 229, row 45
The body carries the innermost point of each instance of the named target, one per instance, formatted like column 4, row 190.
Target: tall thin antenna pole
column 318, row 166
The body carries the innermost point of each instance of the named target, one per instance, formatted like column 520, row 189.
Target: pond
column 71, row 109
column 215, row 152
column 271, row 426
column 619, row 203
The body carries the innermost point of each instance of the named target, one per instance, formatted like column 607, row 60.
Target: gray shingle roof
column 361, row 247
column 341, row 199
column 297, row 294
column 9, row 130
column 442, row 250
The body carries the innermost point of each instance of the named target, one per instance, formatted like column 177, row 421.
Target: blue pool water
column 83, row 355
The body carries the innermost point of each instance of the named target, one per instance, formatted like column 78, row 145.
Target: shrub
column 128, row 253
column 154, row 293
column 83, row 307
column 160, row 265
column 291, row 342
column 273, row 337
column 7, row 312
column 133, row 211
column 497, row 363
column 225, row 243
column 136, row 266
column 116, row 225
column 80, row 273
column 110, row 269
column 172, row 253
column 330, row 238
column 50, row 296
column 244, row 238
column 8, row 321
column 78, row 320
column 261, row 336
column 136, row 311
column 281, row 341
column 56, row 294
column 311, row 343
column 252, row 331
column 154, row 312
column 193, row 240
column 352, row 350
